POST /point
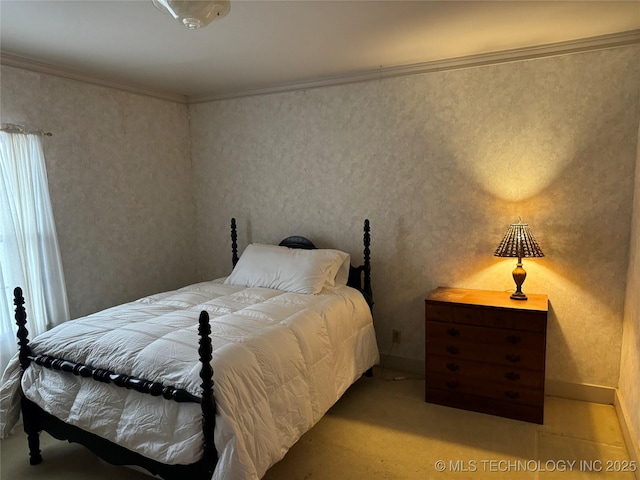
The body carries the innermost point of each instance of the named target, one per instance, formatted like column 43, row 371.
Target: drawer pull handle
column 511, row 394
column 453, row 350
column 513, row 339
column 512, row 376
column 452, row 385
column 453, row 332
column 513, row 358
column 453, row 366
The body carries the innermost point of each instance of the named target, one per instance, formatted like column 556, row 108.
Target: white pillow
column 290, row 269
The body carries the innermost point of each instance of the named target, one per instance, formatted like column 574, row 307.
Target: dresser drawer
column 529, row 321
column 485, row 335
column 497, row 354
column 478, row 387
column 499, row 374
column 443, row 312
column 515, row 320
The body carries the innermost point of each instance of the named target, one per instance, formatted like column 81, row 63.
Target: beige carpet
column 382, row 429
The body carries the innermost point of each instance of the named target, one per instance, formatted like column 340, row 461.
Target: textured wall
column 119, row 175
column 630, row 360
column 441, row 163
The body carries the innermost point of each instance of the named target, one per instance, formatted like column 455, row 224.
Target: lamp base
column 518, row 296
column 518, row 276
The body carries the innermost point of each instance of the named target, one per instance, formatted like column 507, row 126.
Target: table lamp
column 518, row 242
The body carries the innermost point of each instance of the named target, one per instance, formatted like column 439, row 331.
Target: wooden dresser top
column 489, row 298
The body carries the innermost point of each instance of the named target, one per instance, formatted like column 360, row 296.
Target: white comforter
column 280, row 361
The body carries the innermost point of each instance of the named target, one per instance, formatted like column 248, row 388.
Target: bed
column 214, row 380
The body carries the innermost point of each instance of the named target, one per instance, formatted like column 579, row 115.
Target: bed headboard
column 359, row 277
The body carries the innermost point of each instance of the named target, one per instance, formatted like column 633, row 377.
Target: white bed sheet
column 280, row 361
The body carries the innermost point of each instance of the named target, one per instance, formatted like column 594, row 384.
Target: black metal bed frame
column 36, row 420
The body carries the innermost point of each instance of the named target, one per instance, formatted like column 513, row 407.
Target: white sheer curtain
column 29, row 254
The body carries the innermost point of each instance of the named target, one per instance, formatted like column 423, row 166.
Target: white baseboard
column 631, row 437
column 555, row 388
column 580, row 391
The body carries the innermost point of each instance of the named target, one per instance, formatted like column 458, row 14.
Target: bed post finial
column 234, row 242
column 367, row 261
column 208, row 404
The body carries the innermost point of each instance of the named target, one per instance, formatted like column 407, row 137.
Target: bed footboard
column 36, row 420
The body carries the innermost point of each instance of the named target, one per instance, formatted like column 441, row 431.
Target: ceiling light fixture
column 194, row 14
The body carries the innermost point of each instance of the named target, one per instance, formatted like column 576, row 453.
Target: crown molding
column 505, row 56
column 26, row 63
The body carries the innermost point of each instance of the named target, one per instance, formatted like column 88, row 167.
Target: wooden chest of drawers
column 486, row 352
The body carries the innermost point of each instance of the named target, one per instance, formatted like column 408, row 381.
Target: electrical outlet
column 395, row 336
